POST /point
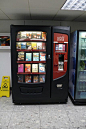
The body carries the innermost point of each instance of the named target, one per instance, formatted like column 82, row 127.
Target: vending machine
column 39, row 61
column 77, row 76
column 60, row 63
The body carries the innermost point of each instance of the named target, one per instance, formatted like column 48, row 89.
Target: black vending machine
column 32, row 61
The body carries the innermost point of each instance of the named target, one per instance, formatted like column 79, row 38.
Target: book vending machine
column 39, row 61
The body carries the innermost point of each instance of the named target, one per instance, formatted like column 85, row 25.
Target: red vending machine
column 60, row 63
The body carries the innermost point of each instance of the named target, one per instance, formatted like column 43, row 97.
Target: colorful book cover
column 41, row 68
column 42, row 56
column 27, row 79
column 29, row 46
column 34, row 46
column 35, row 68
column 43, row 46
column 39, row 35
column 27, row 67
column 20, row 68
column 20, row 78
column 44, row 36
column 23, row 45
column 41, row 78
column 39, row 46
column 35, row 56
column 20, row 56
column 18, row 45
column 35, row 79
column 23, row 35
column 28, row 56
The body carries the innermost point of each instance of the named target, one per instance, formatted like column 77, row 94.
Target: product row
column 34, row 68
column 83, row 54
column 82, row 75
column 31, row 79
column 83, row 43
column 31, row 35
column 31, row 56
column 82, row 85
column 31, row 45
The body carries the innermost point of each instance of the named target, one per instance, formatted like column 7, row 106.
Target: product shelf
column 31, row 73
column 27, row 50
column 31, row 62
column 31, row 40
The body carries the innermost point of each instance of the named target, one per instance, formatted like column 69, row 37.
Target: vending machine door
column 80, row 90
column 60, row 63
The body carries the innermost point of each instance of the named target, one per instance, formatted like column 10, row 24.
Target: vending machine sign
column 60, row 38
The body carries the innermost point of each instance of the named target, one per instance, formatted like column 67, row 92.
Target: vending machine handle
column 48, row 57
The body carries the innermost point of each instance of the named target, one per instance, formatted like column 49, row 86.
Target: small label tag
column 59, row 85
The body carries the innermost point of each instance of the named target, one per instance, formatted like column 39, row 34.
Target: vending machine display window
column 31, row 56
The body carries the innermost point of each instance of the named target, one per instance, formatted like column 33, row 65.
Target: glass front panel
column 31, row 57
column 81, row 69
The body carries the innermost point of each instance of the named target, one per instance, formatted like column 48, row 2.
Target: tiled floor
column 52, row 116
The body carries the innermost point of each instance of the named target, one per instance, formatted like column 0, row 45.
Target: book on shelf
column 20, row 56
column 23, row 45
column 42, row 56
column 27, row 67
column 29, row 46
column 35, row 56
column 20, row 78
column 39, row 35
column 23, row 35
column 35, row 68
column 20, row 68
column 18, row 45
column 35, row 79
column 44, row 36
column 27, row 79
column 41, row 78
column 39, row 46
column 41, row 68
column 43, row 46
column 34, row 46
column 28, row 56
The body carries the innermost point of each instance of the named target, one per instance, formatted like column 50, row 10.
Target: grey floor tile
column 34, row 108
column 54, row 116
column 5, row 119
column 77, row 118
column 27, row 119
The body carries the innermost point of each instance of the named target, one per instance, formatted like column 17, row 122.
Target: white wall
column 5, row 64
column 5, row 61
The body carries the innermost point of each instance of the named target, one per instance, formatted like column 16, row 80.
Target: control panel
column 60, row 54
